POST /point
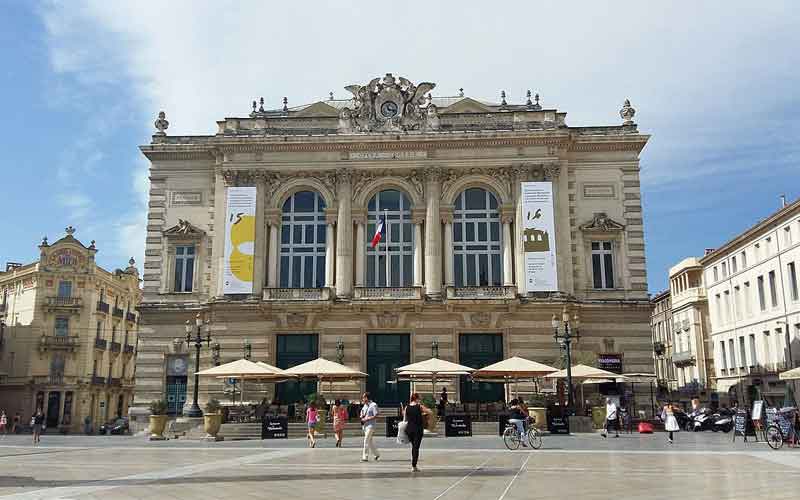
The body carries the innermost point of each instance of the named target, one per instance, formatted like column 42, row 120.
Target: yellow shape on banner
column 242, row 231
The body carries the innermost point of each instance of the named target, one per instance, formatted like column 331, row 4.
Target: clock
column 389, row 109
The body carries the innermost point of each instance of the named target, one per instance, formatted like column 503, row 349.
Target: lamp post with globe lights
column 569, row 332
column 194, row 410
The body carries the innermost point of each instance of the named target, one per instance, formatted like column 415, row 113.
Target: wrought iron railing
column 103, row 307
column 64, row 301
column 115, row 347
column 100, row 343
column 129, row 316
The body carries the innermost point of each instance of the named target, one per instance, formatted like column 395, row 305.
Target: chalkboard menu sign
column 773, row 417
column 391, row 426
column 743, row 425
column 274, row 427
column 502, row 422
column 557, row 424
column 758, row 409
column 457, row 426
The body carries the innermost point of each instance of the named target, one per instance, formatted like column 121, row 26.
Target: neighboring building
column 303, row 279
column 691, row 356
column 752, row 283
column 661, row 331
column 68, row 345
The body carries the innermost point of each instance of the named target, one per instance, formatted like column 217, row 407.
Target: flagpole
column 386, row 225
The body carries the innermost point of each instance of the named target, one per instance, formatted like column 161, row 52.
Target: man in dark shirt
column 517, row 417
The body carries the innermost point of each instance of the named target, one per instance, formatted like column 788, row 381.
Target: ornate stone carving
column 386, row 104
column 627, row 112
column 161, row 124
column 551, row 172
column 431, row 117
column 295, row 320
column 480, row 319
column 360, row 180
column 602, row 223
column 184, row 229
column 416, row 179
column 387, row 319
column 341, row 176
column 239, row 177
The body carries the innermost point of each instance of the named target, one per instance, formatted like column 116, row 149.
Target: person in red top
column 312, row 415
column 339, row 421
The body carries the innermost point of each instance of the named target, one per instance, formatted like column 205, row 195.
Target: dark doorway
column 53, row 407
column 120, row 404
column 476, row 351
column 176, row 395
column 385, row 353
column 293, row 350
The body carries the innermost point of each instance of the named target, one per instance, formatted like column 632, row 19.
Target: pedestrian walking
column 3, row 423
column 442, row 406
column 312, row 416
column 611, row 418
column 414, row 416
column 369, row 412
column 339, row 421
column 38, row 421
column 15, row 423
column 670, row 422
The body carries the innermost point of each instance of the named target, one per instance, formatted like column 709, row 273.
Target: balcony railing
column 117, row 312
column 129, row 316
column 98, row 380
column 100, row 343
column 102, row 307
column 127, row 382
column 127, row 349
column 482, row 292
column 296, row 294
column 387, row 293
column 115, row 347
column 114, row 382
column 59, row 342
column 683, row 358
column 63, row 303
column 768, row 368
column 659, row 348
column 54, row 379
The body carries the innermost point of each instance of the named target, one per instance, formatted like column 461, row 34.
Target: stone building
column 293, row 272
column 662, row 333
column 68, row 336
column 754, row 303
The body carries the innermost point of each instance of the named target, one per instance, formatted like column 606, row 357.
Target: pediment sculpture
column 602, row 223
column 184, row 229
column 389, row 105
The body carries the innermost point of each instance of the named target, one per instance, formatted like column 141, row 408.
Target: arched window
column 476, row 239
column 397, row 240
column 303, row 241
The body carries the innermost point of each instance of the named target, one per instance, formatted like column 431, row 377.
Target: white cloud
column 78, row 205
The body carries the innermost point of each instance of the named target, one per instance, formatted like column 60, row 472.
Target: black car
column 117, row 426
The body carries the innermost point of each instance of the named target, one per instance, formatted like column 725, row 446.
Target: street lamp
column 564, row 338
column 247, row 347
column 215, row 356
column 435, row 348
column 339, row 350
column 194, row 410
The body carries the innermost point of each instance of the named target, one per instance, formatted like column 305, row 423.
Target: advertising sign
column 539, row 237
column 240, row 239
column 391, row 426
column 610, row 362
column 274, row 427
column 457, row 426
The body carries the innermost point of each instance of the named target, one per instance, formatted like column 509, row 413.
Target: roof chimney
column 783, row 200
column 708, row 251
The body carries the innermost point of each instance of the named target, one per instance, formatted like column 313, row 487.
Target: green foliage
column 213, row 406
column 158, row 407
column 429, row 401
column 587, row 358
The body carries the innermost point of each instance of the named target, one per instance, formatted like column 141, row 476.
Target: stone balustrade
column 296, row 294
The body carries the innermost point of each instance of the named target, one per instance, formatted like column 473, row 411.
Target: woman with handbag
column 414, row 417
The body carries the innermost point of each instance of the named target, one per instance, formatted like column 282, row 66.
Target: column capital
column 331, row 216
column 506, row 218
column 359, row 216
column 551, row 171
column 417, row 215
column 272, row 216
column 446, row 215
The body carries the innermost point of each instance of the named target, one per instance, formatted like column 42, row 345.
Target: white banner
column 539, row 237
column 240, row 240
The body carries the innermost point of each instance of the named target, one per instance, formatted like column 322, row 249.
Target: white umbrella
column 245, row 369
column 582, row 373
column 433, row 368
column 323, row 369
column 513, row 368
column 792, row 374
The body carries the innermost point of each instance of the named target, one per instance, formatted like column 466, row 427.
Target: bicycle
column 512, row 438
column 782, row 429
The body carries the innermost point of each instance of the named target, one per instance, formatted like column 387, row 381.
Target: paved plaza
column 579, row 466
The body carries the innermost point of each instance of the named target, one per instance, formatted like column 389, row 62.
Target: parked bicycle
column 513, row 439
column 783, row 429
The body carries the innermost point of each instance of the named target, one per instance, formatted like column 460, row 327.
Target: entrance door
column 385, row 353
column 477, row 351
column 53, row 407
column 295, row 350
column 176, row 395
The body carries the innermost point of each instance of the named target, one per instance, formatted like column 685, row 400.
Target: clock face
column 389, row 109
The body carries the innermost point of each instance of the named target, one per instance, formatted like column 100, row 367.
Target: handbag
column 402, row 435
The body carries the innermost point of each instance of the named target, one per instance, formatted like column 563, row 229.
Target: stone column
column 344, row 234
column 361, row 257
column 417, row 221
column 274, row 222
column 433, row 235
column 330, row 245
column 508, row 271
column 218, row 248
column 447, row 220
column 562, row 226
column 259, row 257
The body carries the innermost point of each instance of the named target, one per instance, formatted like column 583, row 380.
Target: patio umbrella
column 323, row 369
column 245, row 369
column 513, row 368
column 792, row 374
column 643, row 378
column 433, row 368
column 581, row 373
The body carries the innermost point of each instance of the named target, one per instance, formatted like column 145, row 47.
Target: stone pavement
column 701, row 465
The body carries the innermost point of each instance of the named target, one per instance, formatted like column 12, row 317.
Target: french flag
column 378, row 232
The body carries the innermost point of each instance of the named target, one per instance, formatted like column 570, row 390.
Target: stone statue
column 432, row 117
column 627, row 112
column 347, row 123
column 161, row 123
column 386, row 105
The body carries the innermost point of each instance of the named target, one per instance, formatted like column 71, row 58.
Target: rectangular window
column 742, row 353
column 65, row 289
column 757, row 251
column 732, row 352
column 727, row 298
column 724, row 356
column 790, row 267
column 724, row 269
column 767, row 348
column 62, row 327
column 734, row 268
column 746, row 295
column 773, row 291
column 737, row 301
column 716, row 274
column 744, row 259
column 719, row 308
column 753, row 355
column 602, row 265
column 787, row 236
column 99, row 329
column 184, row 268
column 113, row 333
column 762, row 302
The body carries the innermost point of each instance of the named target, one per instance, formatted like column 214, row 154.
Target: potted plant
column 598, row 405
column 158, row 419
column 212, row 419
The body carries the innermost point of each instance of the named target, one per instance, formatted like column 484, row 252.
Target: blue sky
column 715, row 84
